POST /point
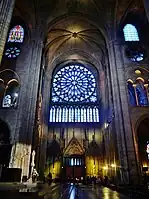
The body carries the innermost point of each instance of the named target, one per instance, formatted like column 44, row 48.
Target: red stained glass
column 16, row 34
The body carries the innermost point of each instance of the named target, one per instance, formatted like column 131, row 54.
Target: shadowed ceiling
column 76, row 24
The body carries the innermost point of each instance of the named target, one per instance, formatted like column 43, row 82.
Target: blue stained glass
column 85, row 115
column 60, row 114
column 72, row 162
column 74, row 83
column 66, row 118
column 57, row 115
column 16, row 34
column 79, row 115
column 130, row 33
column 88, row 115
column 97, row 115
column 53, row 110
column 82, row 114
column 73, row 88
column 91, row 115
column 94, row 114
column 74, row 114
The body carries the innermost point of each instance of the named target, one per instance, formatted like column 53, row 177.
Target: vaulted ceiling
column 76, row 24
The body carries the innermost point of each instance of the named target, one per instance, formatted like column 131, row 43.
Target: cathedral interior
column 74, row 88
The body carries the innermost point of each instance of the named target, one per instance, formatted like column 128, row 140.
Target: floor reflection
column 73, row 193
column 106, row 193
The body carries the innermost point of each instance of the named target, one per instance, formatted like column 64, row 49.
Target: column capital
column 114, row 42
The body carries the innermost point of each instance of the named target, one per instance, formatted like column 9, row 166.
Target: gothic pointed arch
column 74, row 148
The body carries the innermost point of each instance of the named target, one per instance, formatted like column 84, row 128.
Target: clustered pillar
column 127, row 156
column 6, row 10
column 31, row 61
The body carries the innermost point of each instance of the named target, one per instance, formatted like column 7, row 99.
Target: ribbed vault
column 74, row 34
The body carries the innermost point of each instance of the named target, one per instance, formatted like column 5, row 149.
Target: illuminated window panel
column 63, row 114
column 91, row 114
column 60, row 115
column 74, row 83
column 75, row 162
column 66, row 118
column 84, row 115
column 54, row 114
column 57, row 114
column 79, row 115
column 74, row 114
column 16, row 34
column 72, row 164
column 51, row 115
column 73, row 89
column 12, row 52
column 94, row 115
column 130, row 33
column 88, row 115
column 97, row 115
column 72, row 117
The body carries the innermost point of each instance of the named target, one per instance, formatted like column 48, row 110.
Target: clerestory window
column 130, row 33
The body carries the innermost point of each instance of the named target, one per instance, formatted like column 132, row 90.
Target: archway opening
column 143, row 145
column 5, row 146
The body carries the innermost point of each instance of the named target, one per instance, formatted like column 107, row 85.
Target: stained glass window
column 12, row 52
column 130, row 33
column 74, row 83
column 74, row 95
column 16, row 34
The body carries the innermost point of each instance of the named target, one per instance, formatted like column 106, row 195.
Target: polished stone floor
column 84, row 192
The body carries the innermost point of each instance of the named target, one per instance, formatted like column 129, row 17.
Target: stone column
column 6, row 9
column 28, row 68
column 126, row 150
column 146, row 7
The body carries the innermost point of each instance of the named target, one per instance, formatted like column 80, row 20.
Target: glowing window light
column 75, row 162
column 88, row 115
column 97, row 115
column 60, row 115
column 57, row 114
column 51, row 115
column 74, row 86
column 66, row 118
column 73, row 115
column 72, row 162
column 82, row 114
column 147, row 149
column 76, row 114
column 54, row 115
column 91, row 115
column 130, row 33
column 12, row 52
column 73, row 83
column 63, row 114
column 16, row 34
column 70, row 114
column 94, row 114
